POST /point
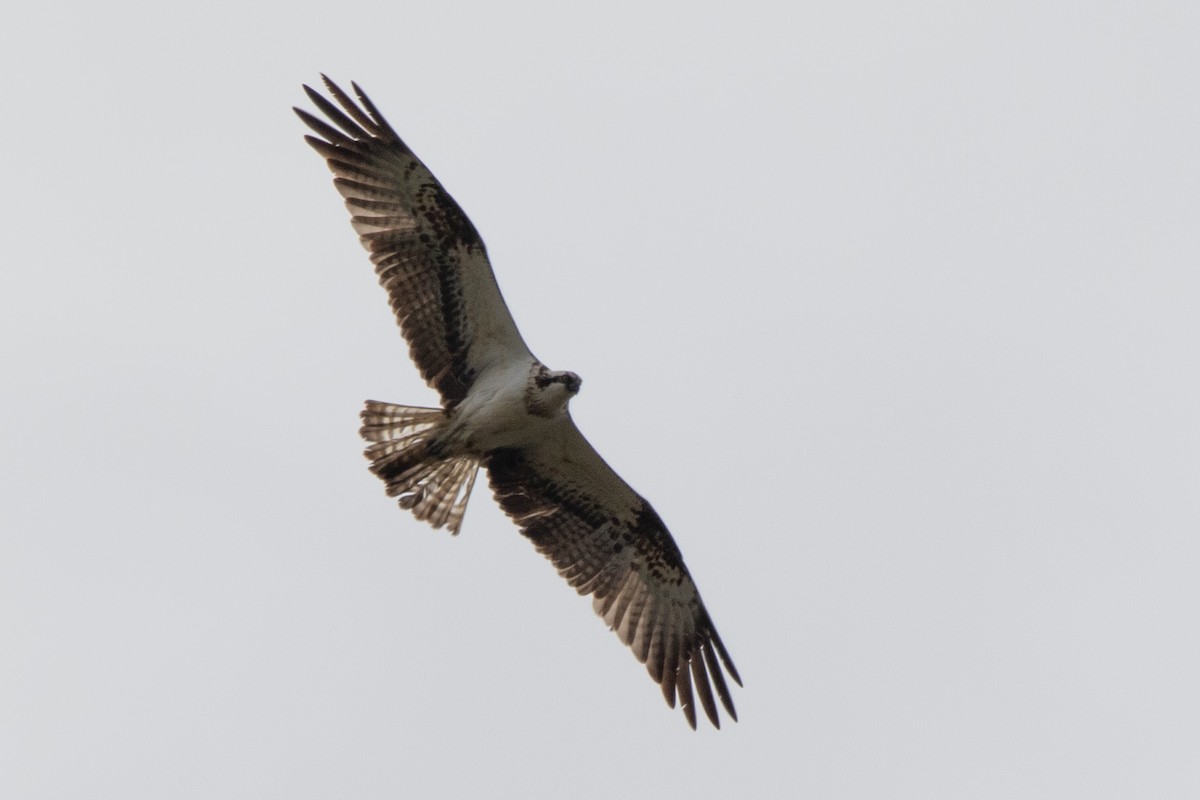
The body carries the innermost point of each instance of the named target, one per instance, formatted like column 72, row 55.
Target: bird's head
column 551, row 390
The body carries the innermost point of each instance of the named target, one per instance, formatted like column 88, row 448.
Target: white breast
column 494, row 413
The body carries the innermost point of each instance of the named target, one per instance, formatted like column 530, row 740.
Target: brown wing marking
column 426, row 252
column 633, row 569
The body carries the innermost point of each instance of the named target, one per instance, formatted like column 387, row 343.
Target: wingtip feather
column 683, row 685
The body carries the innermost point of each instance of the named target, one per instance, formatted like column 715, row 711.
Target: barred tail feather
column 433, row 488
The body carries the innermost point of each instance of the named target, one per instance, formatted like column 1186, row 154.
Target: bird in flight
column 504, row 410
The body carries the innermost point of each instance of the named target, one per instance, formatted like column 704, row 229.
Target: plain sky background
column 890, row 310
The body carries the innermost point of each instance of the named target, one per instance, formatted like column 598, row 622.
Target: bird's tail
column 434, row 488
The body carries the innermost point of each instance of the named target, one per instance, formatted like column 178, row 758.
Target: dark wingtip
column 724, row 654
column 312, row 93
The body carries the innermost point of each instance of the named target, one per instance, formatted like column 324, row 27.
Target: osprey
column 506, row 411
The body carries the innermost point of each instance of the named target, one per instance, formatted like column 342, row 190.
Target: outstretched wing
column 608, row 542
column 426, row 252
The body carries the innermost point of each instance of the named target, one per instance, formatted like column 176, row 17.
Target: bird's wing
column 608, row 542
column 426, row 252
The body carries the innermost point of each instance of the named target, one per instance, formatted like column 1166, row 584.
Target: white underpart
column 494, row 413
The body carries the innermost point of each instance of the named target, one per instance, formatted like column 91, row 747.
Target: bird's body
column 506, row 408
column 506, row 411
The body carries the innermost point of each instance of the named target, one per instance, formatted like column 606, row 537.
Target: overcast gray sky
column 890, row 310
